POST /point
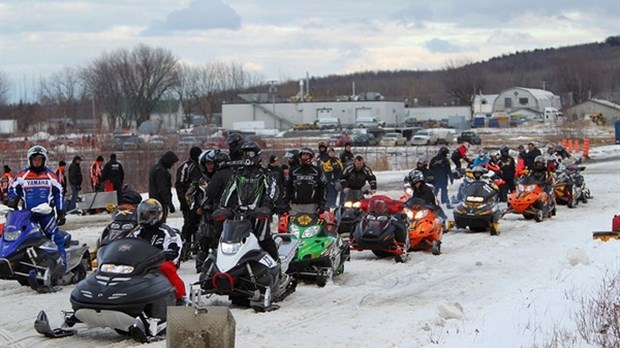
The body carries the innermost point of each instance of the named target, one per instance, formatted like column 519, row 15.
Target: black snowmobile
column 127, row 293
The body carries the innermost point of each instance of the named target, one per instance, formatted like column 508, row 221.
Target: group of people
column 505, row 169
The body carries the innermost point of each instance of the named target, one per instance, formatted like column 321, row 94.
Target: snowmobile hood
column 135, row 252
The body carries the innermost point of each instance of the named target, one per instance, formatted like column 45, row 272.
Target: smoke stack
column 301, row 90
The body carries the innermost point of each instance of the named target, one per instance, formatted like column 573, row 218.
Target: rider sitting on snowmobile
column 252, row 187
column 423, row 192
column 306, row 186
column 355, row 176
column 152, row 229
column 36, row 185
column 542, row 174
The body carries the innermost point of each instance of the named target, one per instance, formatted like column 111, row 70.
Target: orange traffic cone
column 586, row 148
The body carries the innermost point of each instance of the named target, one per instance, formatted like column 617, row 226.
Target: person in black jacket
column 160, row 182
column 346, row 155
column 355, row 176
column 75, row 181
column 306, row 186
column 113, row 171
column 530, row 156
column 275, row 170
column 234, row 142
column 508, row 167
column 423, row 193
column 440, row 167
column 187, row 173
column 252, row 187
column 213, row 195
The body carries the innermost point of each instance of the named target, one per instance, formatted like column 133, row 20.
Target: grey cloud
column 441, row 46
column 199, row 15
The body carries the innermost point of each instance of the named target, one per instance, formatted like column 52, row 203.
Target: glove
column 172, row 208
column 13, row 202
column 60, row 219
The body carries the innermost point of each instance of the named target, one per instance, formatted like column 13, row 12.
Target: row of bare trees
column 127, row 84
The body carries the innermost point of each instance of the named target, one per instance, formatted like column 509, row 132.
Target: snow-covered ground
column 483, row 291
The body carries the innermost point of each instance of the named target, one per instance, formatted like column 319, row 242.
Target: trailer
column 95, row 202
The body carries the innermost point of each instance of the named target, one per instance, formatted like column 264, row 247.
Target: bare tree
column 64, row 90
column 582, row 78
column 5, row 86
column 103, row 82
column 145, row 75
column 462, row 80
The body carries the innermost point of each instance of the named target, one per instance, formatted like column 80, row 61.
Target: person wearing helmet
column 332, row 168
column 530, row 156
column 482, row 159
column 422, row 165
column 440, row 167
column 322, row 156
column 292, row 157
column 152, row 228
column 354, row 177
column 507, row 167
column 252, row 187
column 36, row 185
column 160, row 182
column 346, row 156
column 234, row 142
column 478, row 172
column 561, row 153
column 460, row 153
column 306, row 186
column 541, row 173
column 422, row 193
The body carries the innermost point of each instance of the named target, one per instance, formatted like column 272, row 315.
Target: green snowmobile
column 321, row 253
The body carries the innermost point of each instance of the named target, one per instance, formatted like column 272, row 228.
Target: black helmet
column 40, row 151
column 478, row 171
column 308, row 151
column 150, row 213
column 539, row 162
column 504, row 150
column 422, row 161
column 234, row 142
column 292, row 156
column 443, row 151
column 221, row 160
column 251, row 153
column 348, row 143
column 207, row 156
column 415, row 176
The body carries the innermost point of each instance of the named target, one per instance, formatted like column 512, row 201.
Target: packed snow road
column 482, row 291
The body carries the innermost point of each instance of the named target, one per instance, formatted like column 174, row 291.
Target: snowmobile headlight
column 421, row 214
column 348, row 204
column 118, row 269
column 10, row 236
column 474, row 199
column 115, row 225
column 409, row 214
column 293, row 229
column 126, row 227
column 311, row 231
column 357, row 205
column 409, row 191
column 525, row 188
column 230, row 248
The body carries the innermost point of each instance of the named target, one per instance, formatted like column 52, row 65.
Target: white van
column 329, row 123
column 433, row 136
column 367, row 122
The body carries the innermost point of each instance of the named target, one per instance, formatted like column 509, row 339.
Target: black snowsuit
column 160, row 182
column 113, row 171
column 306, row 185
column 508, row 166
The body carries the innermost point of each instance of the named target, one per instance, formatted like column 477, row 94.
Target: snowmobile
column 349, row 214
column 531, row 200
column 241, row 269
column 381, row 230
column 425, row 228
column 570, row 186
column 28, row 256
column 128, row 293
column 321, row 254
column 479, row 209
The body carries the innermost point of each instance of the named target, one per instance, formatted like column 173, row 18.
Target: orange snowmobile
column 531, row 200
column 425, row 228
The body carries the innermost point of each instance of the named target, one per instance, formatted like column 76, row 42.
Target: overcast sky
column 285, row 39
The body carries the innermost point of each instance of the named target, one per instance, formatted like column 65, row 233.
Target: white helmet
column 37, row 150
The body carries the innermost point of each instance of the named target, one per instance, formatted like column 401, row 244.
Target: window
column 523, row 101
column 507, row 102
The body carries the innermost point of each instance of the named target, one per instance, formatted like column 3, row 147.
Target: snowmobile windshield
column 529, row 180
column 135, row 253
column 236, row 230
column 479, row 189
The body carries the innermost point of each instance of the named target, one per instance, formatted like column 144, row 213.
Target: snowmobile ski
column 42, row 325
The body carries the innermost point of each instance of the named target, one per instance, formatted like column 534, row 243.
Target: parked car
column 392, row 139
column 329, row 123
column 368, row 122
column 365, row 139
column 470, row 137
column 124, row 142
column 433, row 136
column 157, row 142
